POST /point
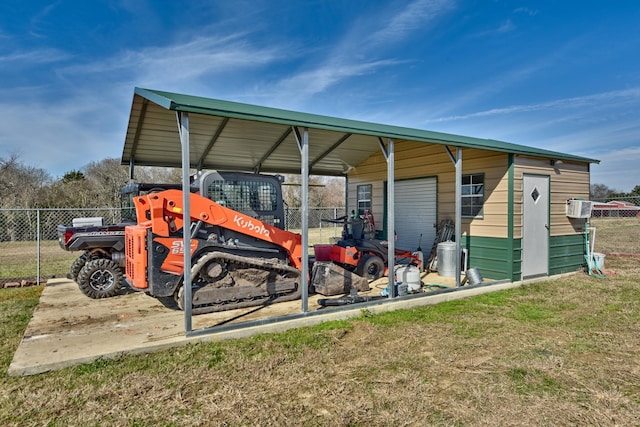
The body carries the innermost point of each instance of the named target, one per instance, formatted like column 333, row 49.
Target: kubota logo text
column 249, row 225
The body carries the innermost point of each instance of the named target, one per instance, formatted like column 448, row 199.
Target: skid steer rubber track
column 222, row 281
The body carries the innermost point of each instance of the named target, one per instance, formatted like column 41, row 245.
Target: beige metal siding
column 567, row 180
column 414, row 160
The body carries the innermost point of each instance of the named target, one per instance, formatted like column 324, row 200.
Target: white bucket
column 598, row 260
column 411, row 276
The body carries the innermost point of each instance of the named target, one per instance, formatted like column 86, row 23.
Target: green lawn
column 19, row 260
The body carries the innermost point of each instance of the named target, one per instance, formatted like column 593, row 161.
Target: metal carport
column 216, row 134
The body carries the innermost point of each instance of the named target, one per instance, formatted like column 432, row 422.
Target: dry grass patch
column 617, row 235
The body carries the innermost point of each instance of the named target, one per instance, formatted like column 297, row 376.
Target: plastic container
column 409, row 275
column 401, row 289
column 322, row 252
column 598, row 260
column 447, row 259
column 94, row 221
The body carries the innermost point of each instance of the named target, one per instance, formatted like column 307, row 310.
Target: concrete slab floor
column 67, row 328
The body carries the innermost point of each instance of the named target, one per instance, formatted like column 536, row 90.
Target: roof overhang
column 228, row 135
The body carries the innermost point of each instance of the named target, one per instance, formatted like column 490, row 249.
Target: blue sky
column 560, row 75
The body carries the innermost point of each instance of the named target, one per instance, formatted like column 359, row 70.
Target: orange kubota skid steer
column 237, row 260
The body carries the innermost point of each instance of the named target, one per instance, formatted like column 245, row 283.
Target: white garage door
column 415, row 213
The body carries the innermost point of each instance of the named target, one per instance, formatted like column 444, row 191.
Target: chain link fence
column 293, row 217
column 30, row 253
column 616, row 207
column 29, row 249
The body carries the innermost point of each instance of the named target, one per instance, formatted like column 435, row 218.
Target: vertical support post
column 346, row 195
column 458, row 214
column 305, row 219
column 131, row 169
column 183, row 127
column 391, row 217
column 303, row 145
column 38, row 246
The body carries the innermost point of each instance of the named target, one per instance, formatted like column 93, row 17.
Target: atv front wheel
column 100, row 278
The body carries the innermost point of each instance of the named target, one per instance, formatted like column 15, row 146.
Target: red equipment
column 364, row 255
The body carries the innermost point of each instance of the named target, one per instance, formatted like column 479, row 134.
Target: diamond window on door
column 535, row 195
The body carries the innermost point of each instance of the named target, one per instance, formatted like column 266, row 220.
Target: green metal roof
column 235, row 136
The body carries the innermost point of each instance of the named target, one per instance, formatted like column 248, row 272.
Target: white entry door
column 415, row 213
column 535, row 226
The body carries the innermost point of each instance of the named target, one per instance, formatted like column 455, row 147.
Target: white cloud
column 60, row 127
column 201, row 56
column 618, row 168
column 356, row 54
column 506, row 27
column 516, row 75
column 417, row 15
column 526, row 11
column 80, row 114
column 314, row 81
column 39, row 17
column 33, row 57
column 598, row 100
column 59, row 138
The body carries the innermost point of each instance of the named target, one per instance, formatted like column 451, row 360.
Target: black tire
column 100, row 278
column 371, row 267
column 77, row 266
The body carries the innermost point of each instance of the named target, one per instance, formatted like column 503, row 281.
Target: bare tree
column 158, row 175
column 323, row 191
column 21, row 185
column 333, row 192
column 601, row 192
column 106, row 179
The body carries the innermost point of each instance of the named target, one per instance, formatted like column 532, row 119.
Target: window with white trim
column 364, row 198
column 472, row 195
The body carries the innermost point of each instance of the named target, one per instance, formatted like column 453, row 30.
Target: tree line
column 95, row 185
column 601, row 192
column 98, row 184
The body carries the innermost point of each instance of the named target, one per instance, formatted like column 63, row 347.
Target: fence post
column 38, row 246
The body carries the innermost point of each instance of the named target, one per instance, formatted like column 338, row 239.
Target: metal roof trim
column 210, row 106
column 155, row 97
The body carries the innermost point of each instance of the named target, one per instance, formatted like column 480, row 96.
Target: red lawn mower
column 360, row 252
